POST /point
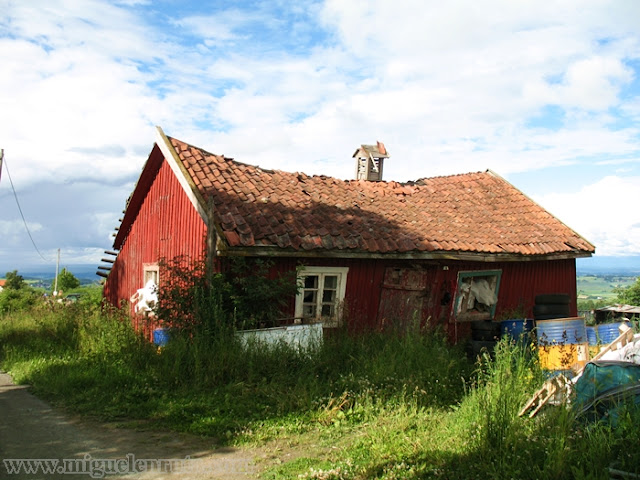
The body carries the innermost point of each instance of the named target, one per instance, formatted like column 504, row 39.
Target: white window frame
column 321, row 272
column 150, row 270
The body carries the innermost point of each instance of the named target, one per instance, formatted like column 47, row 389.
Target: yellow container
column 562, row 343
column 563, row 357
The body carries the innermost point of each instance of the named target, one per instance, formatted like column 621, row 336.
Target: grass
column 368, row 406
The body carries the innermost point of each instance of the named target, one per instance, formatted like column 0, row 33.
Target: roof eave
column 412, row 255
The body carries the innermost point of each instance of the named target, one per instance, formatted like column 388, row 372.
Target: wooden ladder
column 549, row 388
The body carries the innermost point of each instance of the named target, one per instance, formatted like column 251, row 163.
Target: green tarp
column 606, row 386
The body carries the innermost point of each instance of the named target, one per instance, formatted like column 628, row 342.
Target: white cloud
column 604, row 213
column 591, row 84
column 14, row 228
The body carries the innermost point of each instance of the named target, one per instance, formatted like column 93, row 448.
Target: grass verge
column 368, row 406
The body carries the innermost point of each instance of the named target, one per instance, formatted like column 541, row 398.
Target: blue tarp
column 606, row 386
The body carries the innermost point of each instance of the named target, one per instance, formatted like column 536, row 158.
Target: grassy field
column 376, row 405
column 601, row 287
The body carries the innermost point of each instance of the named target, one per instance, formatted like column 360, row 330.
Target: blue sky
column 546, row 94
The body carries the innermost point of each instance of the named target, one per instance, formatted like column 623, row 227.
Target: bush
column 244, row 296
column 17, row 300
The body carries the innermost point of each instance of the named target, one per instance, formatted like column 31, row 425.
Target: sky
column 545, row 94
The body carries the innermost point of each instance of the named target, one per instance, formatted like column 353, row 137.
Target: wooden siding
column 167, row 226
column 519, row 285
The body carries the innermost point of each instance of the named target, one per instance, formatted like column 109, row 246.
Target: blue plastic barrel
column 161, row 336
column 608, row 332
column 592, row 336
column 517, row 327
column 562, row 331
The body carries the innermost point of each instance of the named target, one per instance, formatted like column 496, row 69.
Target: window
column 321, row 294
column 477, row 295
column 151, row 272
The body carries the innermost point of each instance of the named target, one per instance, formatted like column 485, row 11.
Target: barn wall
column 167, row 226
column 520, row 283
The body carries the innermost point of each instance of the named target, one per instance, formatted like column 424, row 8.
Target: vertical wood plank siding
column 519, row 285
column 167, row 226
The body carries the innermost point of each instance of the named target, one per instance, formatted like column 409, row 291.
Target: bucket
column 562, row 343
column 161, row 336
column 515, row 328
column 608, row 332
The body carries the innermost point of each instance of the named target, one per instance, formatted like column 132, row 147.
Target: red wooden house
column 444, row 250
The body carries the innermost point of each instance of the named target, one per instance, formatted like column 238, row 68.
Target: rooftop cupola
column 369, row 162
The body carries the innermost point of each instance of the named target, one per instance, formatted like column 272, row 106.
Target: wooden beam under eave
column 460, row 256
column 102, row 274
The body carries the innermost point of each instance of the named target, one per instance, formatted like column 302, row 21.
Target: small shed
column 372, row 253
column 616, row 312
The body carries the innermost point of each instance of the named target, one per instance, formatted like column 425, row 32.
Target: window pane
column 308, row 310
column 327, row 310
column 329, row 296
column 311, row 281
column 331, row 281
column 151, row 275
column 310, row 296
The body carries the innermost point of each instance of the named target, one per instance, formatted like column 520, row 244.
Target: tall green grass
column 211, row 384
column 377, row 405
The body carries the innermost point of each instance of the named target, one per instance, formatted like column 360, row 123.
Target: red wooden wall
column 520, row 283
column 167, row 225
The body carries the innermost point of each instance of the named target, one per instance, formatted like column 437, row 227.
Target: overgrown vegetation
column 18, row 295
column 67, row 281
column 385, row 406
column 243, row 296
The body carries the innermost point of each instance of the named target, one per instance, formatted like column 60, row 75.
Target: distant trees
column 67, row 281
column 16, row 295
column 590, row 304
column 14, row 281
column 629, row 295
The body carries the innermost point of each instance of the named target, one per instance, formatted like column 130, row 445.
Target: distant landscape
column 597, row 277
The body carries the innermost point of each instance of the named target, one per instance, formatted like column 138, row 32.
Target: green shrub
column 243, row 296
column 17, row 300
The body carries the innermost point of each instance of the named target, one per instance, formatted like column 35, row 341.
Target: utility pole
column 55, row 283
column 1, row 158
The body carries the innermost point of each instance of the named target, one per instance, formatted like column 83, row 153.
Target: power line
column 6, row 167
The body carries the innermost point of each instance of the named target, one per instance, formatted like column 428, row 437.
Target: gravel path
column 31, row 429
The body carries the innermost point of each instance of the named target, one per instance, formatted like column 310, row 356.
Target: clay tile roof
column 476, row 212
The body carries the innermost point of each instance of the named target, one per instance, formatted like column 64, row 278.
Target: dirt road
column 30, row 429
